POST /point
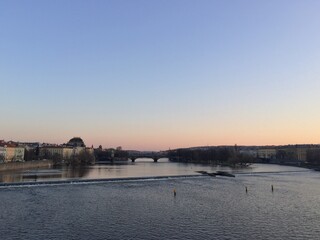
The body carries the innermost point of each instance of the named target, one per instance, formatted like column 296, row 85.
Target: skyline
column 154, row 75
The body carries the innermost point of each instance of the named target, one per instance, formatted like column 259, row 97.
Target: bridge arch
column 154, row 159
column 155, row 156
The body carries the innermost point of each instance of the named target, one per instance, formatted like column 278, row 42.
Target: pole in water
column 272, row 188
column 246, row 189
column 174, row 192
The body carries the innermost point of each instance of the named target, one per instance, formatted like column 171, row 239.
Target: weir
column 94, row 181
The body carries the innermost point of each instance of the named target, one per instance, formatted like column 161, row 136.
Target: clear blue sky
column 159, row 74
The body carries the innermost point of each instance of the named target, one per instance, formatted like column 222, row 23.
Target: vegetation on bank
column 83, row 158
column 215, row 155
column 110, row 154
column 313, row 157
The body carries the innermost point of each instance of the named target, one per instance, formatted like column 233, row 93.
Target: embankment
column 25, row 165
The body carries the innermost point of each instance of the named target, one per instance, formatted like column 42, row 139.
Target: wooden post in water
column 272, row 188
column 246, row 190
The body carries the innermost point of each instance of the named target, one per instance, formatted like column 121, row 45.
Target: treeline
column 313, row 157
column 31, row 154
column 83, row 158
column 110, row 154
column 215, row 155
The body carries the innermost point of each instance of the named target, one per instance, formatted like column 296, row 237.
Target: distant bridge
column 153, row 155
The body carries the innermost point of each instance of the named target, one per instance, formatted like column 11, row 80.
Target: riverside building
column 65, row 151
column 11, row 152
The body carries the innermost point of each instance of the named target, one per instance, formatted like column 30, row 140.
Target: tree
column 56, row 159
column 313, row 156
column 30, row 154
column 213, row 155
column 2, row 158
column 121, row 154
column 85, row 157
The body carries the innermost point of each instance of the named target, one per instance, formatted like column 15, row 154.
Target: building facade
column 266, row 153
column 10, row 152
column 65, row 151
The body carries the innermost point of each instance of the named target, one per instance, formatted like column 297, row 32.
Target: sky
column 158, row 75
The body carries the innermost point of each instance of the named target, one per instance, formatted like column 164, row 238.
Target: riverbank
column 12, row 166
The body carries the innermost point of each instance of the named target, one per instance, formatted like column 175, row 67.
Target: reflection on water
column 35, row 175
column 6, row 177
column 74, row 172
column 140, row 168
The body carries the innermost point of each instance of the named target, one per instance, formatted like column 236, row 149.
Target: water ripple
column 204, row 208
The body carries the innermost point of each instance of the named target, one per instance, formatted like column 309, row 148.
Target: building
column 298, row 153
column 266, row 153
column 65, row 151
column 11, row 152
column 19, row 153
column 47, row 152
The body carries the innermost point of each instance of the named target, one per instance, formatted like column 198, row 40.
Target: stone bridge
column 154, row 155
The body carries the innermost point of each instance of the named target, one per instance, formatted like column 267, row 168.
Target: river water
column 140, row 168
column 204, row 207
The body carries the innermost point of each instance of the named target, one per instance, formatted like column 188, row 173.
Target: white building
column 11, row 153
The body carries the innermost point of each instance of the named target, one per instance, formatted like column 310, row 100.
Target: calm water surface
column 140, row 168
column 204, row 208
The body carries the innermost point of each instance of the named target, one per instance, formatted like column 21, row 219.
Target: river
column 204, row 207
column 141, row 168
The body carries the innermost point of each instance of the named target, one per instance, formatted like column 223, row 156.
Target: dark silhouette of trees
column 86, row 157
column 1, row 158
column 31, row 154
column 313, row 157
column 83, row 158
column 212, row 155
column 56, row 159
column 119, row 153
column 110, row 154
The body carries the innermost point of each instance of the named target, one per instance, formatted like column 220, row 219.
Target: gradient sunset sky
column 154, row 75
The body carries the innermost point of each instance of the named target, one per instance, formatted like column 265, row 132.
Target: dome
column 76, row 142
